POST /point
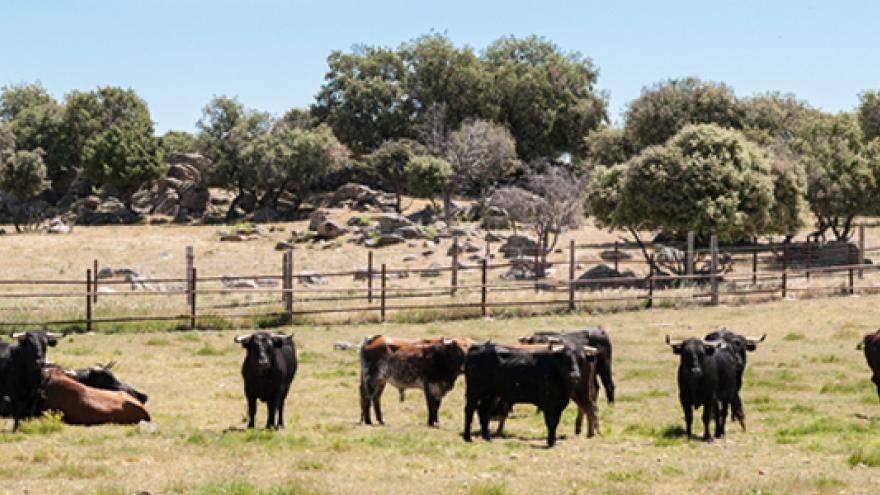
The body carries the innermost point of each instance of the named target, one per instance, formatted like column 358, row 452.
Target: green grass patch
column 842, row 388
column 794, row 337
column 865, row 455
column 489, row 489
column 48, row 424
column 241, row 487
column 79, row 472
column 209, row 350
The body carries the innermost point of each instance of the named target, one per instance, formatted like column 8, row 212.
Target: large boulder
column 518, row 245
column 496, row 218
column 194, row 196
column 167, row 204
column 142, row 201
column 318, row 217
column 391, row 222
column 384, row 240
column 184, row 173
column 602, row 277
column 194, row 163
column 411, row 232
column 265, row 214
column 358, row 193
column 330, row 230
column 110, row 212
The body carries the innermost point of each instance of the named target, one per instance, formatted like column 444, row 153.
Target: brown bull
column 431, row 365
column 83, row 405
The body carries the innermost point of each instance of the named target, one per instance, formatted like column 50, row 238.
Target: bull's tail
column 738, row 413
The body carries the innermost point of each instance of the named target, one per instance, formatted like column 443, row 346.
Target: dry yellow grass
column 812, row 412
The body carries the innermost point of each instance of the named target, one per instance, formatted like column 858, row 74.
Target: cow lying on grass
column 83, row 405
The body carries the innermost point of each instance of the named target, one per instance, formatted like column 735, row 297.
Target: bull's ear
column 676, row 348
column 51, row 341
column 709, row 350
column 278, row 339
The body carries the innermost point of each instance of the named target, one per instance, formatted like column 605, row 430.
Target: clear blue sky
column 271, row 54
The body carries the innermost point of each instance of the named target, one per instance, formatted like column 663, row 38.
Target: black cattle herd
column 546, row 369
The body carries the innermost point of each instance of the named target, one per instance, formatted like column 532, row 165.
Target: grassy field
column 812, row 416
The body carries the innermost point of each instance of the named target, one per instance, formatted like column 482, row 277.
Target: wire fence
column 586, row 276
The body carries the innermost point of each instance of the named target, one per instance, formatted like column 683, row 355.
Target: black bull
column 593, row 337
column 496, row 374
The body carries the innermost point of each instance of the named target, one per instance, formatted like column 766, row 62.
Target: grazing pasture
column 812, row 414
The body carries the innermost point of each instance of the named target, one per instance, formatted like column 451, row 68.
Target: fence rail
column 769, row 272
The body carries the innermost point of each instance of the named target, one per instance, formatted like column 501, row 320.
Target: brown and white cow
column 83, row 405
column 431, row 365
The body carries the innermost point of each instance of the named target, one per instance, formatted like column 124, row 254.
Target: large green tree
column 665, row 108
column 37, row 121
column 707, row 179
column 226, row 128
column 548, row 97
column 606, row 146
column 123, row 157
column 439, row 73
column 364, row 98
column 177, row 142
column 772, row 118
column 294, row 160
column 17, row 98
column 388, row 165
column 841, row 177
column 22, row 176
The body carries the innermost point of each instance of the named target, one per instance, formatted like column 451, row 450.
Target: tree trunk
column 447, row 206
column 648, row 258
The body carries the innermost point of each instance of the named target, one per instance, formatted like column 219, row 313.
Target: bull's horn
column 860, row 346
column 672, row 342
column 281, row 335
column 109, row 365
column 446, row 341
column 756, row 340
column 555, row 347
column 590, row 350
column 242, row 338
column 523, row 339
column 17, row 335
column 712, row 343
column 54, row 335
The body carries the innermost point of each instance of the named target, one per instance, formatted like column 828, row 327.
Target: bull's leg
column 688, row 418
column 720, row 420
column 604, row 373
column 377, row 401
column 468, row 419
column 551, row 419
column 578, row 422
column 365, row 404
column 502, row 419
column 433, row 406
column 708, row 414
column 592, row 419
column 271, row 406
column 252, row 411
column 279, row 424
column 485, row 414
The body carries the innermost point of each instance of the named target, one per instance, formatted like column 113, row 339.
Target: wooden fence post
column 571, row 260
column 190, row 259
column 861, row 250
column 370, row 276
column 454, row 276
column 807, row 259
column 95, row 281
column 713, row 247
column 651, row 283
column 616, row 257
column 382, row 295
column 849, row 261
column 483, row 290
column 690, row 259
column 755, row 260
column 284, row 287
column 785, row 268
column 192, row 298
column 288, row 295
column 88, row 300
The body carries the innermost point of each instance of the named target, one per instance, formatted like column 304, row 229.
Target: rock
column 265, row 214
column 422, row 217
column 167, row 204
column 411, row 232
column 475, row 257
column 467, row 247
column 519, row 271
column 310, row 278
column 105, row 272
column 238, row 283
column 219, row 198
column 518, row 245
column 58, row 228
column 345, row 346
column 385, row 240
column 142, row 201
column 493, row 237
column 427, row 252
column 495, row 218
column 317, row 217
column 195, row 161
column 106, row 290
column 354, row 192
column 606, row 272
column 126, row 273
column 461, row 231
column 433, row 270
column 357, row 222
column 233, row 238
column 139, row 284
column 91, row 202
column 194, row 196
column 184, row 172
column 612, row 255
column 167, row 183
column 147, row 427
column 391, row 222
column 409, row 257
column 283, row 246
column 330, row 229
column 108, row 191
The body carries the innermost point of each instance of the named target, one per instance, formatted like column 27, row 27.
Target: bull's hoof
column 719, row 435
column 707, row 439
